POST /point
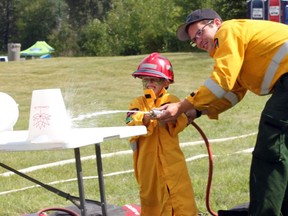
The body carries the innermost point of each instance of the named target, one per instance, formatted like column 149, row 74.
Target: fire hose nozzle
column 154, row 113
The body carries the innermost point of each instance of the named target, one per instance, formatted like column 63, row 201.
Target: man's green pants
column 269, row 168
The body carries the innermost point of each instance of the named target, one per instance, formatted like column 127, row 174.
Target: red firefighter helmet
column 155, row 65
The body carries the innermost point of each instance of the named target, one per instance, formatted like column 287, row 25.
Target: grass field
column 97, row 84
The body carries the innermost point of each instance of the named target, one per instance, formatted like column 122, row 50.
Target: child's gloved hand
column 146, row 119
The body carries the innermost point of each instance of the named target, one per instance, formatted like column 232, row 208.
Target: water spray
column 152, row 112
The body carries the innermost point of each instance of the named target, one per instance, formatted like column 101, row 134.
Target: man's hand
column 173, row 110
column 170, row 112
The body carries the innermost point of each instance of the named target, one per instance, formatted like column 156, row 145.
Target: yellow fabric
column 244, row 51
column 159, row 164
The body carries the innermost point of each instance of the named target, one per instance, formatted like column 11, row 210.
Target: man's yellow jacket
column 249, row 55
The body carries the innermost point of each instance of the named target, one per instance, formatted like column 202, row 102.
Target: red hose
column 210, row 174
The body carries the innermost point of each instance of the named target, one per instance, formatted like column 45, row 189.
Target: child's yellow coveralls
column 159, row 164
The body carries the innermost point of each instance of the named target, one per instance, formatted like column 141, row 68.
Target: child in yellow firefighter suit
column 159, row 164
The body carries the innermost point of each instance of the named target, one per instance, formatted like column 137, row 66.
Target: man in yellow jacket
column 249, row 55
column 159, row 164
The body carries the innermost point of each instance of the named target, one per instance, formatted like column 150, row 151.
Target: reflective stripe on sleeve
column 271, row 70
column 219, row 92
column 215, row 88
column 232, row 98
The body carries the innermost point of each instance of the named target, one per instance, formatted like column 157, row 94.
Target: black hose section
column 70, row 212
column 210, row 173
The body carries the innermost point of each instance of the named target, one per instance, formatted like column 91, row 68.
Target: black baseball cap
column 195, row 16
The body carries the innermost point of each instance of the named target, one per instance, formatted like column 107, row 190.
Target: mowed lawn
column 97, row 84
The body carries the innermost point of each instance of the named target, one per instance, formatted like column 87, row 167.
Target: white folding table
column 17, row 141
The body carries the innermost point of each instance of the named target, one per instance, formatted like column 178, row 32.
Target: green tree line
column 104, row 27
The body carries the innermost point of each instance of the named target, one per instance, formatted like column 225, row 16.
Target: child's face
column 154, row 83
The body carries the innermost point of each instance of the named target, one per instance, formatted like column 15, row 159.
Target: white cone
column 48, row 122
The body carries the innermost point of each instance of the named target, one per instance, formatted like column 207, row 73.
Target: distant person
column 248, row 55
column 159, row 164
